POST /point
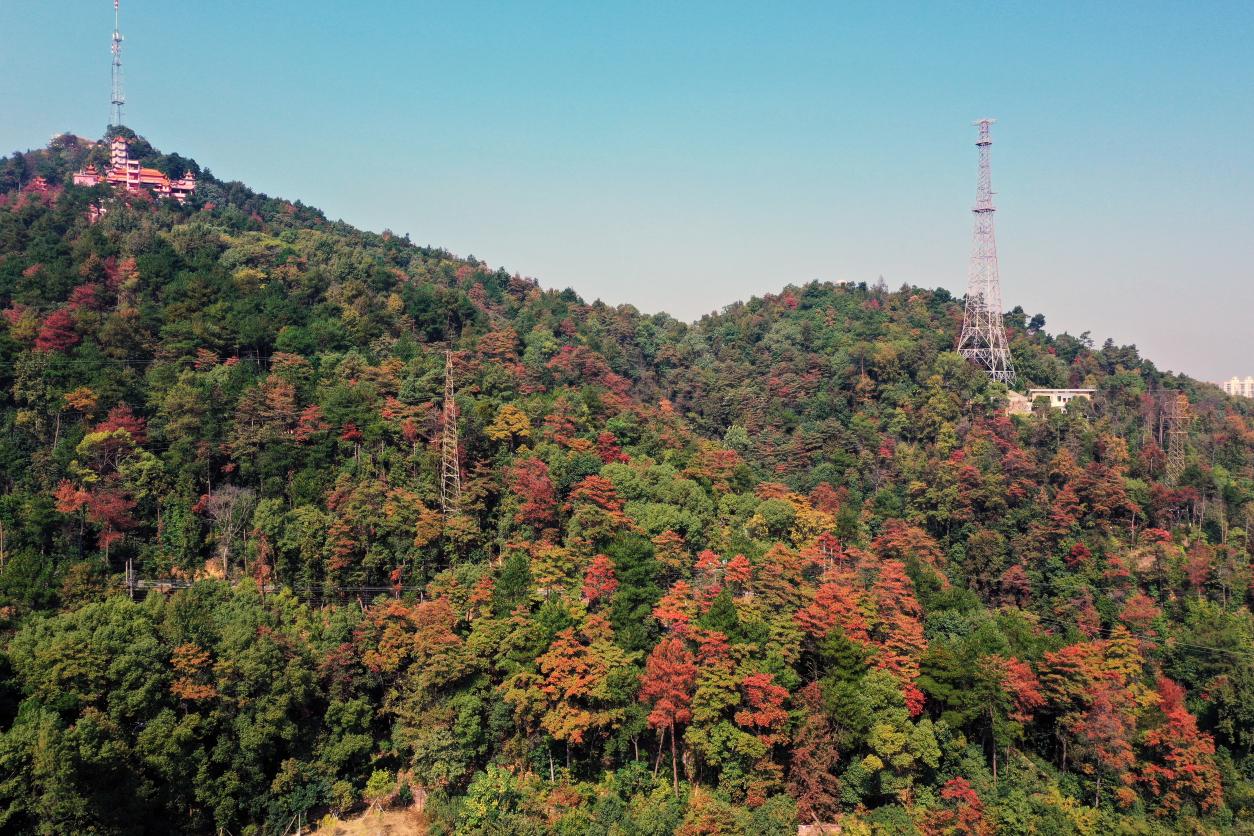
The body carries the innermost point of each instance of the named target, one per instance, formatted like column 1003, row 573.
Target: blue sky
column 681, row 156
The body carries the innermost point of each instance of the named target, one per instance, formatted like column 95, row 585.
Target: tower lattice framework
column 115, row 112
column 450, row 469
column 983, row 339
column 1178, row 419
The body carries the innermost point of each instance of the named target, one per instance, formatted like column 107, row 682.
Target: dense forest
column 790, row 564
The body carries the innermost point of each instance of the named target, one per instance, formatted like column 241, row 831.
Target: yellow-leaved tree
column 510, row 424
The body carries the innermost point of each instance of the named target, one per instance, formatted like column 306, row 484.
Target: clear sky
column 682, row 155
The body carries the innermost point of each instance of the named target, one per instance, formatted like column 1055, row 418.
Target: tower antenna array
column 450, row 469
column 115, row 113
column 983, row 339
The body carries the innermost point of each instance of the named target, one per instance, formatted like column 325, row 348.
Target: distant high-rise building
column 1239, row 388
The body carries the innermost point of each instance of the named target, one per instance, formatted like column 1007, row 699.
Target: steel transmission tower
column 450, row 470
column 1178, row 420
column 983, row 339
column 115, row 114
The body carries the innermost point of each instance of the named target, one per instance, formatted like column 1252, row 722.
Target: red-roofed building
column 87, row 177
column 127, row 174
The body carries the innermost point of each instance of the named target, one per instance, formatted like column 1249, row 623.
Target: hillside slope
column 791, row 563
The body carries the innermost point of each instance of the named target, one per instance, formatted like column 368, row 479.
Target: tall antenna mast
column 983, row 339
column 115, row 114
column 450, row 469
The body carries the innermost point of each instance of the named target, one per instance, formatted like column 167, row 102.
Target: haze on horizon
column 681, row 159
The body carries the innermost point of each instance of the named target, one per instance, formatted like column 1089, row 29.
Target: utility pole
column 450, row 469
column 983, row 339
column 115, row 114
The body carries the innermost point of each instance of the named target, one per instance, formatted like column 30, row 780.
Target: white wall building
column 1058, row 399
column 1239, row 388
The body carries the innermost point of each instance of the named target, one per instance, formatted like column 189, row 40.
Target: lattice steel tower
column 1178, row 419
column 115, row 113
column 450, row 469
column 983, row 339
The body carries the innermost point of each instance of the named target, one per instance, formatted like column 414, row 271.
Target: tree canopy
column 792, row 563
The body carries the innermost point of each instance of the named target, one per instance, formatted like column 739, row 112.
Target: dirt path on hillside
column 377, row 823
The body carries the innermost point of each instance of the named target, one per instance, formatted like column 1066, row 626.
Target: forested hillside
column 789, row 564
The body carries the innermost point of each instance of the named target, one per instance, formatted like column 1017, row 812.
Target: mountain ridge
column 791, row 562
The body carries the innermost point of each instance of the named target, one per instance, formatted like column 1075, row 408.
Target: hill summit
column 790, row 564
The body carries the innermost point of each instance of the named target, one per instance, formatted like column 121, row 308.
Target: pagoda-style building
column 127, row 174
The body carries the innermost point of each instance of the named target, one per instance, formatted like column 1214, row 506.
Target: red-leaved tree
column 57, row 332
column 670, row 676
column 1180, row 759
column 599, row 581
column 530, row 482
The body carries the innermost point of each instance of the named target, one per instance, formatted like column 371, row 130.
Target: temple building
column 128, row 174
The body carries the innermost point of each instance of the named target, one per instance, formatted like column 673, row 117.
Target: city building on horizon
column 1239, row 388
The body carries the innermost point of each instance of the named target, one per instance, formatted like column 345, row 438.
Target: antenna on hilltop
column 983, row 339
column 115, row 114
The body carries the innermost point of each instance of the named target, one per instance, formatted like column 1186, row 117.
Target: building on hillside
column 1239, row 388
column 88, row 176
column 1058, row 399
column 128, row 174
